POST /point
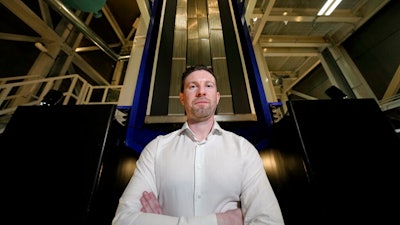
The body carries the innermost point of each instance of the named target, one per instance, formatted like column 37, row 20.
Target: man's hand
column 150, row 203
column 231, row 217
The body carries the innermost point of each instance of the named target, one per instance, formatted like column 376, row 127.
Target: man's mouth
column 201, row 101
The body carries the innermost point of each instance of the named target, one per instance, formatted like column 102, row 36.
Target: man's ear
column 181, row 97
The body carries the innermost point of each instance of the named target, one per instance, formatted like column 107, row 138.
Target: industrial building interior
column 288, row 37
column 95, row 53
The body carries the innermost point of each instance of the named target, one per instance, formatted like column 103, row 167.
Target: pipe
column 90, row 34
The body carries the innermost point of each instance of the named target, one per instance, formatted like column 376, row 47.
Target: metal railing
column 31, row 90
column 390, row 103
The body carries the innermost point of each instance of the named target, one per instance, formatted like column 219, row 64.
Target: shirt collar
column 214, row 131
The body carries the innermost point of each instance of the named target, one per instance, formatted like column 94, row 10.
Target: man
column 200, row 174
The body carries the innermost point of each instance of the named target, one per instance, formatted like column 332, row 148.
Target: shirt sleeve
column 258, row 201
column 156, row 219
column 143, row 179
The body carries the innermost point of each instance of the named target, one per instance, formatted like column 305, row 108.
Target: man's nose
column 201, row 91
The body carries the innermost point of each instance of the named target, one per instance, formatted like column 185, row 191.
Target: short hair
column 191, row 69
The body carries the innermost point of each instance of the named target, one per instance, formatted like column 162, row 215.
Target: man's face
column 200, row 96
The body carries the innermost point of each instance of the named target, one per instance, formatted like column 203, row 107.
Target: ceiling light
column 328, row 7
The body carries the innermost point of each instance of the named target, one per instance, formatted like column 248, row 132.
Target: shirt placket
column 199, row 178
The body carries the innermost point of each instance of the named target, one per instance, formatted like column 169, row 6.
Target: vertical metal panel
column 204, row 37
column 235, row 63
column 180, row 42
column 181, row 18
column 219, row 61
column 191, row 9
column 174, row 105
column 181, row 4
column 201, row 8
column 193, row 51
column 225, row 105
column 193, row 30
column 212, row 4
column 220, row 68
column 203, row 28
column 199, row 38
column 217, row 43
column 204, row 52
column 178, row 67
column 179, row 57
column 214, row 19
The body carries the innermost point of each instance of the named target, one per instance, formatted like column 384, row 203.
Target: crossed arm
column 150, row 205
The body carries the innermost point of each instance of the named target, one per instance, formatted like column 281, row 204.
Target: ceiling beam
column 259, row 27
column 394, row 85
column 269, row 52
column 114, row 24
column 307, row 15
column 293, row 41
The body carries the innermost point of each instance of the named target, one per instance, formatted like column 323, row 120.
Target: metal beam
column 90, row 34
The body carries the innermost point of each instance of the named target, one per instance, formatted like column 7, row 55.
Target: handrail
column 31, row 89
column 5, row 80
column 390, row 103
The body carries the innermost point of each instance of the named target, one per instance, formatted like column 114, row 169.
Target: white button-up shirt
column 195, row 180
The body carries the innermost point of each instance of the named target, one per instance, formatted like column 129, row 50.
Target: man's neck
column 201, row 129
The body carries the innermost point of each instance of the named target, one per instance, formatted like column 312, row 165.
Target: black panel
column 52, row 159
column 349, row 151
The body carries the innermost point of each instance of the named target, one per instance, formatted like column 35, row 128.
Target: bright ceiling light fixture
column 328, row 7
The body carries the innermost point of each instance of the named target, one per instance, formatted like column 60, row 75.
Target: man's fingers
column 150, row 203
column 153, row 202
column 231, row 217
column 145, row 205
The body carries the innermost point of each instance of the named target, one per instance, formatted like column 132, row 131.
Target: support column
column 132, row 70
column 350, row 71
